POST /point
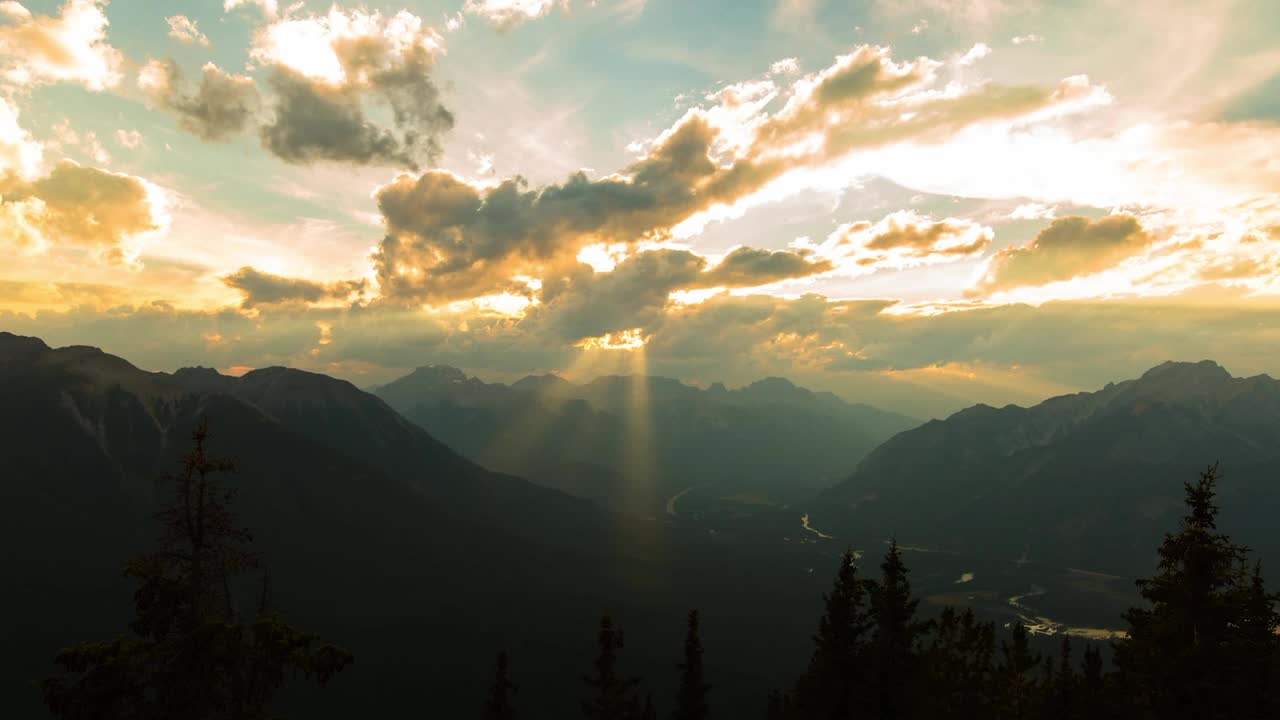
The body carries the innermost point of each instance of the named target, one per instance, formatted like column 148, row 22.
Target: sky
column 919, row 204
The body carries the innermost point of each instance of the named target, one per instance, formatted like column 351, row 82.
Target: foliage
column 188, row 653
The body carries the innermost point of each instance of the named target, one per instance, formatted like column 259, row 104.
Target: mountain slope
column 1090, row 479
column 375, row 535
column 605, row 438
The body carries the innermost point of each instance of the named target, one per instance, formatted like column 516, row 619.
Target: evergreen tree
column 1014, row 683
column 958, row 664
column 189, row 654
column 499, row 705
column 1182, row 656
column 1259, row 647
column 1062, row 699
column 691, row 699
column 895, row 651
column 649, row 712
column 613, row 696
column 1093, row 685
column 829, row 687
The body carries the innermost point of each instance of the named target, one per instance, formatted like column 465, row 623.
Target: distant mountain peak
column 446, row 373
column 540, row 383
column 14, row 345
column 1203, row 370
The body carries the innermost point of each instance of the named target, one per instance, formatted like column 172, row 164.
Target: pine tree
column 1014, row 682
column 499, row 705
column 613, row 696
column 649, row 712
column 189, row 654
column 1093, row 689
column 895, row 651
column 1061, row 700
column 1181, row 656
column 1259, row 647
column 829, row 687
column 691, row 699
column 958, row 664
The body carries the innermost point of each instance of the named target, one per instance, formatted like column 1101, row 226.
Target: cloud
column 785, row 66
column 900, row 240
column 20, row 154
column 184, row 29
column 69, row 47
column 1028, row 39
column 81, row 206
column 222, row 106
column 261, row 288
column 326, row 69
column 586, row 304
column 752, row 267
column 506, row 14
column 129, row 139
column 65, row 138
column 975, row 53
column 269, row 8
column 448, row 239
column 1069, row 247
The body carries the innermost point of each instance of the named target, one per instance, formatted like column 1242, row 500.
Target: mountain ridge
column 1040, row 474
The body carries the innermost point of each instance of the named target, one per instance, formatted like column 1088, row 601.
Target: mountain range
column 1091, row 479
column 374, row 534
column 412, row 538
column 631, row 442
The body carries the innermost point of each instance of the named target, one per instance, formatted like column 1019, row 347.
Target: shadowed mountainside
column 604, row 438
column 1080, row 479
column 373, row 532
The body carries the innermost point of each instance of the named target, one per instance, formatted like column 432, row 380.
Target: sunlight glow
column 621, row 340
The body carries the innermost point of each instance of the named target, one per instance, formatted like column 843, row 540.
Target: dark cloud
column 1069, row 247
column 260, row 288
column 447, row 239
column 450, row 240
column 586, row 304
column 930, row 239
column 749, row 267
column 321, row 120
column 839, row 345
column 222, row 106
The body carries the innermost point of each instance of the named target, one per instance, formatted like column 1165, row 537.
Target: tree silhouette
column 499, row 705
column 1015, row 685
column 1062, row 687
column 613, row 697
column 958, row 664
column 1183, row 654
column 649, row 712
column 895, row 652
column 691, row 698
column 188, row 654
column 829, row 687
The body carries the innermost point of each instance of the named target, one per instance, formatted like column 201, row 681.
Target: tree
column 499, row 705
column 1182, row 656
column 1093, row 685
column 895, row 651
column 1061, row 687
column 1259, row 647
column 649, row 712
column 829, row 687
column 691, row 698
column 958, row 665
column 1014, row 684
column 188, row 653
column 613, row 696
